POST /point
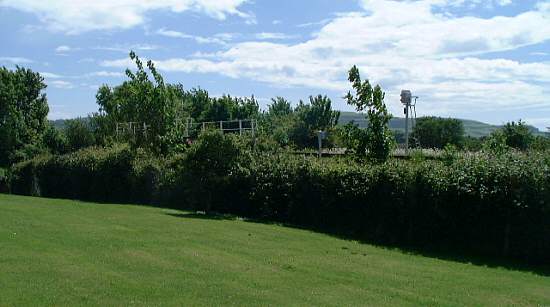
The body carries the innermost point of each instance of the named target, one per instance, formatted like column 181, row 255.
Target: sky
column 486, row 60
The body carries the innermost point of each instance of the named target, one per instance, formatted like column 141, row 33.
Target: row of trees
column 143, row 98
column 146, row 98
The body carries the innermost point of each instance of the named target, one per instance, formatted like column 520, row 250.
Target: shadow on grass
column 446, row 255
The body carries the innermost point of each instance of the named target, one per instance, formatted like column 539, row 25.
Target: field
column 62, row 252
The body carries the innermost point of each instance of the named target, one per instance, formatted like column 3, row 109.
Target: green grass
column 62, row 252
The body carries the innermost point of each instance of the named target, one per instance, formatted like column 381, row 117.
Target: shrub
column 98, row 174
column 79, row 134
column 485, row 204
column 205, row 169
column 496, row 206
column 436, row 132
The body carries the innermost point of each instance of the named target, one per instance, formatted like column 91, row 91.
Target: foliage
column 55, row 140
column 353, row 138
column 111, row 174
column 205, row 169
column 517, row 135
column 540, row 143
column 450, row 154
column 279, row 107
column 79, row 134
column 23, row 111
column 496, row 143
column 437, row 132
column 486, row 204
column 311, row 118
column 142, row 100
column 379, row 138
column 26, row 152
column 472, row 144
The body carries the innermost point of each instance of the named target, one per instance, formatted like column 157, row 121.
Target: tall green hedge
column 114, row 174
column 496, row 206
column 483, row 205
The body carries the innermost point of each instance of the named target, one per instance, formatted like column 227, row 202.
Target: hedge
column 489, row 206
column 106, row 175
column 494, row 206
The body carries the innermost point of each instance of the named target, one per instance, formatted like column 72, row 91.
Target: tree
column 437, row 132
column 312, row 117
column 207, row 166
column 352, row 138
column 378, row 137
column 279, row 107
column 23, row 111
column 79, row 134
column 276, row 124
column 143, row 100
column 517, row 135
column 55, row 140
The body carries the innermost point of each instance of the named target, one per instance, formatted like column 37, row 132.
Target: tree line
column 145, row 98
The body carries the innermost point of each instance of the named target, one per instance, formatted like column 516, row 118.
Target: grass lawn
column 62, row 252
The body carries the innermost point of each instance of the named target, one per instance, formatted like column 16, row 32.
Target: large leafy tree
column 145, row 101
column 378, row 137
column 23, row 110
column 312, row 117
column 437, row 132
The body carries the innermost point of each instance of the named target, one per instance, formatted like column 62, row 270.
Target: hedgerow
column 113, row 174
column 481, row 204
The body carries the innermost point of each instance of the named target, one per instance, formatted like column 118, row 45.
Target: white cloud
column 61, row 84
column 199, row 39
column 49, row 75
column 127, row 48
column 103, row 73
column 75, row 16
column 273, row 36
column 400, row 44
column 15, row 60
column 64, row 49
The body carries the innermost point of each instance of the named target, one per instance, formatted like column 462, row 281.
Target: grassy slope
column 61, row 252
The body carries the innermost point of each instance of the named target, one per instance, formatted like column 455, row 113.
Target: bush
column 485, row 204
column 79, row 134
column 436, row 132
column 205, row 169
column 97, row 174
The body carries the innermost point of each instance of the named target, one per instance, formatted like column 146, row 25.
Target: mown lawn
column 62, row 252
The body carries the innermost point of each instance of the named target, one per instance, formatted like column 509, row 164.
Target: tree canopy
column 23, row 110
column 437, row 132
column 378, row 139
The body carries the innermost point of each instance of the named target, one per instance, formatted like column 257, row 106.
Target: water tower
column 410, row 113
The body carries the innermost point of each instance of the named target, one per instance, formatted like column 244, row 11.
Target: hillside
column 67, row 253
column 472, row 128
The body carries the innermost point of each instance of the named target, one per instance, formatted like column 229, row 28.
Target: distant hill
column 471, row 127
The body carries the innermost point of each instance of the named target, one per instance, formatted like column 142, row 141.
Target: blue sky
column 487, row 60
